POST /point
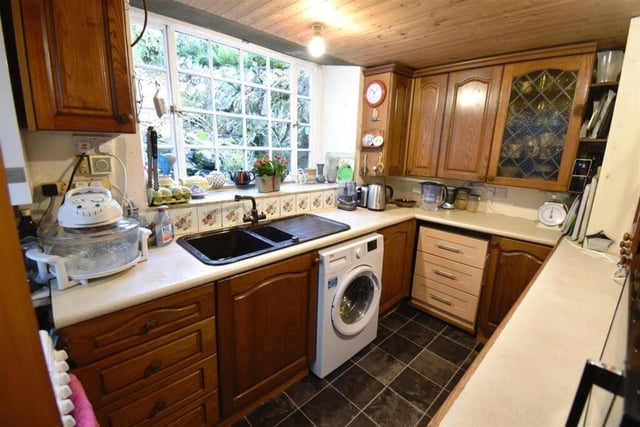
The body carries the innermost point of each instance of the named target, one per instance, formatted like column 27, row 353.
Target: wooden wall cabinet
column 152, row 364
column 538, row 124
column 512, row 265
column 399, row 241
column 74, row 65
column 267, row 331
column 388, row 120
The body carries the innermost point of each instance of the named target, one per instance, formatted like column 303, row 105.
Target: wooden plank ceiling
column 421, row 33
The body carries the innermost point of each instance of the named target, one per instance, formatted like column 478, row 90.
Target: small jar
column 461, row 199
column 473, row 202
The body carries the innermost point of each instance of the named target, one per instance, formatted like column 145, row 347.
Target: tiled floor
column 400, row 379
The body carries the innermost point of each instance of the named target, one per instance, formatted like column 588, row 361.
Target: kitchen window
column 225, row 102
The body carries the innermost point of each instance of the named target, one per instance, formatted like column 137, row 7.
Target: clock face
column 552, row 213
column 375, row 93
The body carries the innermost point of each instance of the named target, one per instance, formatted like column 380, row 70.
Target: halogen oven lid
column 55, row 233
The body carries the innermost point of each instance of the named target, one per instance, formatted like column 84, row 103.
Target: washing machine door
column 356, row 301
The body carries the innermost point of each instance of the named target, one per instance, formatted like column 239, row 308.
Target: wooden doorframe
column 27, row 395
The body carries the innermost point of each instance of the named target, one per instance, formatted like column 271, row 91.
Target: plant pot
column 268, row 183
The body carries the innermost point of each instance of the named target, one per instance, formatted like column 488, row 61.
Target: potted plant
column 270, row 172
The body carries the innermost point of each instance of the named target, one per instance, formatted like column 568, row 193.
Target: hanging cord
column 123, row 191
column 144, row 24
column 75, row 169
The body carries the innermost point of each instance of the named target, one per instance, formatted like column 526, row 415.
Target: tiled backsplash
column 225, row 212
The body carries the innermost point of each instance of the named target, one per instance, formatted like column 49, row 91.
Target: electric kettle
column 378, row 196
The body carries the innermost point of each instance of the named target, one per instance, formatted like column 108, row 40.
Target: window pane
column 228, row 97
column 229, row 130
column 280, row 134
column 280, row 74
column 304, row 82
column 231, row 160
column 303, row 110
column 195, row 91
column 146, row 80
column 198, row 129
column 280, row 105
column 226, row 61
column 255, row 68
column 150, row 49
column 200, row 162
column 162, row 127
column 256, row 101
column 192, row 52
column 303, row 159
column 257, row 133
column 303, row 136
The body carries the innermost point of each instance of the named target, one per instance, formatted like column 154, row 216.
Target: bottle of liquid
column 163, row 226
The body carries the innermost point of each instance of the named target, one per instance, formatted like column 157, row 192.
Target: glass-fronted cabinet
column 538, row 122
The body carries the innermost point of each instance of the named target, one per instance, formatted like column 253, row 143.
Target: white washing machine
column 348, row 300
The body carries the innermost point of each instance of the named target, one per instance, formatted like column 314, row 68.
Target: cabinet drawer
column 459, row 276
column 94, row 339
column 456, row 247
column 158, row 405
column 444, row 298
column 116, row 377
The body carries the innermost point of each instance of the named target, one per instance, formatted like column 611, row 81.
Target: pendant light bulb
column 316, row 44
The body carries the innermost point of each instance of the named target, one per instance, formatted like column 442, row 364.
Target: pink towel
column 83, row 412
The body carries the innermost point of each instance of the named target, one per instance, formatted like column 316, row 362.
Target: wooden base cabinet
column 267, row 329
column 150, row 365
column 512, row 265
column 399, row 243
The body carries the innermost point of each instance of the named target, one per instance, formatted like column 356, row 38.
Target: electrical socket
column 84, row 169
column 85, row 143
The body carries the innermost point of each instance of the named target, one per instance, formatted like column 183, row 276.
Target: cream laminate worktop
column 528, row 373
column 171, row 269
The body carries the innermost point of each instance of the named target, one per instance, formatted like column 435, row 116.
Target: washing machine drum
column 356, row 301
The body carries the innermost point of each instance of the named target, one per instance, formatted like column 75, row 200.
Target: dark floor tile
column 382, row 334
column 454, row 380
column 393, row 321
column 417, row 333
column 362, row 421
column 390, row 409
column 461, row 337
column 329, row 408
column 381, row 365
column 452, row 351
column 242, row 423
column 469, row 360
column 305, row 389
column 426, row 419
column 401, row 348
column 406, row 310
column 297, row 419
column 434, row 367
column 339, row 371
column 271, row 412
column 362, row 353
column 430, row 322
column 358, row 386
column 437, row 404
column 415, row 388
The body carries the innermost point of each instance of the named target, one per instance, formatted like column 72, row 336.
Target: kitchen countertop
column 528, row 372
column 171, row 269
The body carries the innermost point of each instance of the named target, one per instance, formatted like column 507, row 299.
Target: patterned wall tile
column 271, row 207
column 231, row 214
column 210, row 217
column 287, row 205
column 303, row 203
column 184, row 220
column 329, row 198
column 316, row 200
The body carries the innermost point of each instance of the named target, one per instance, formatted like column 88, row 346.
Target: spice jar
column 473, row 202
column 461, row 199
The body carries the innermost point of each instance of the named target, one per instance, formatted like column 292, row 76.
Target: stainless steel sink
column 241, row 242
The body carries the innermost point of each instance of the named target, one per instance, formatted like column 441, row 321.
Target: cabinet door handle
column 445, row 274
column 148, row 326
column 491, row 178
column 153, row 368
column 442, row 300
column 159, row 406
column 123, row 118
column 448, row 248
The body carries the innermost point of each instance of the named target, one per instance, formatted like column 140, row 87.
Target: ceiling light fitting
column 316, row 44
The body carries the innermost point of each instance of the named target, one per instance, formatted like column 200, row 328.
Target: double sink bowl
column 234, row 244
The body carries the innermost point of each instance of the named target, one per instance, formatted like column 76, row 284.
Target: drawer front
column 97, row 338
column 160, row 404
column 455, row 247
column 203, row 413
column 459, row 276
column 445, row 298
column 116, row 377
